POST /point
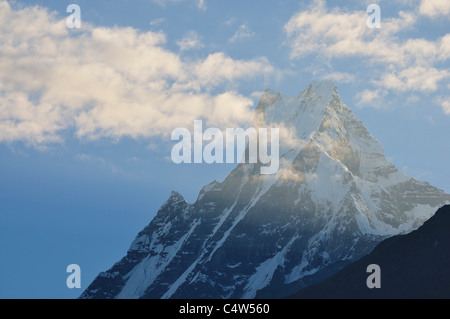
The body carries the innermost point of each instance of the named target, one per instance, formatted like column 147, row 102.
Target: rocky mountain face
column 333, row 199
column 415, row 265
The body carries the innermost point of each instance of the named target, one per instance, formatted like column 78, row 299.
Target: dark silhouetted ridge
column 415, row 265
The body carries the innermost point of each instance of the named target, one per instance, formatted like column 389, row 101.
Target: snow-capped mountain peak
column 333, row 199
column 324, row 90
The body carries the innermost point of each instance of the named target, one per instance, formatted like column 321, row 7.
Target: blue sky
column 86, row 115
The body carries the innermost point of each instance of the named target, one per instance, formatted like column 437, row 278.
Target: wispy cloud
column 435, row 8
column 201, row 4
column 190, row 41
column 398, row 63
column 108, row 82
column 100, row 161
column 444, row 103
column 446, row 106
column 414, row 78
column 341, row 77
column 370, row 98
column 230, row 21
column 157, row 22
column 243, row 32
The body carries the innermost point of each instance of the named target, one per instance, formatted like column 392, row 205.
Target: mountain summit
column 334, row 198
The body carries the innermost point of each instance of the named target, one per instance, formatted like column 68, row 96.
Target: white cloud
column 108, row 82
column 257, row 95
column 100, row 161
column 369, row 98
column 341, row 77
column 338, row 34
column 230, row 21
column 435, row 8
column 311, row 30
column 201, row 4
column 444, row 103
column 414, row 78
column 157, row 22
column 243, row 32
column 412, row 99
column 408, row 2
column 446, row 106
column 291, row 175
column 191, row 41
column 218, row 68
column 401, row 63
